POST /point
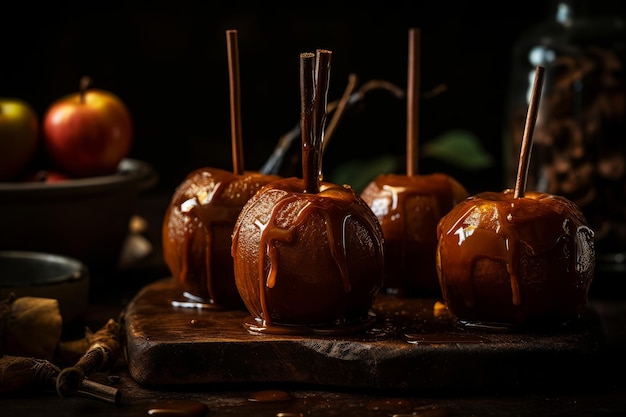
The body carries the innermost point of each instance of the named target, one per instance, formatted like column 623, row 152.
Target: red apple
column 19, row 137
column 46, row 176
column 56, row 176
column 87, row 133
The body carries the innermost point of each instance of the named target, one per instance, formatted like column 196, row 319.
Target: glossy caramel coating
column 307, row 259
column 408, row 209
column 515, row 262
column 197, row 230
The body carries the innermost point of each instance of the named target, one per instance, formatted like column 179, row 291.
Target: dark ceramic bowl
column 37, row 274
column 87, row 219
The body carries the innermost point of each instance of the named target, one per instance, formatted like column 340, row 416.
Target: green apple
column 19, row 137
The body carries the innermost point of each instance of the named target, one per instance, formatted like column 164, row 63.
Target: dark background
column 168, row 62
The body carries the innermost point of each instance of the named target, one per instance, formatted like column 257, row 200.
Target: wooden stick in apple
column 412, row 100
column 308, row 254
column 409, row 206
column 199, row 220
column 516, row 258
column 235, row 100
column 527, row 138
column 315, row 74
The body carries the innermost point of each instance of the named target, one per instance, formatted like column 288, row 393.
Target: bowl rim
column 79, row 269
column 130, row 173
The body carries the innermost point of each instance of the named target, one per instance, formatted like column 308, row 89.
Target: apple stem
column 412, row 108
column 529, row 127
column 83, row 86
column 314, row 81
column 235, row 101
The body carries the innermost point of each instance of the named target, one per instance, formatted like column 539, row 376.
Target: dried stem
column 340, row 110
column 527, row 140
column 235, row 101
column 273, row 163
column 412, row 115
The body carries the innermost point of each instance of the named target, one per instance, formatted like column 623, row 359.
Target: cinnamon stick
column 235, row 101
column 314, row 82
column 103, row 348
column 412, row 115
column 307, row 95
column 529, row 127
column 320, row 106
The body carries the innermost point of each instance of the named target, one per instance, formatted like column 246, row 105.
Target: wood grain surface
column 409, row 345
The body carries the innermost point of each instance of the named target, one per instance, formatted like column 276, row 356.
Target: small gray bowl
column 46, row 275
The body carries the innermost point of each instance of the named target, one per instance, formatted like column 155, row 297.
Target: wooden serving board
column 409, row 346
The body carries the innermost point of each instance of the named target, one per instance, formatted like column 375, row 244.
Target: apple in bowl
column 87, row 133
column 19, row 137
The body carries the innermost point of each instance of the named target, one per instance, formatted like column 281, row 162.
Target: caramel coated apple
column 197, row 230
column 515, row 262
column 408, row 208
column 308, row 260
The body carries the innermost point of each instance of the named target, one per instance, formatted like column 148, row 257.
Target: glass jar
column 579, row 141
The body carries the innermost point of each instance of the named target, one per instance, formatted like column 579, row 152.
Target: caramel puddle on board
column 269, row 396
column 178, row 408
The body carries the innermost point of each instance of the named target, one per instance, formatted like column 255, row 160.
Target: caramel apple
column 409, row 207
column 512, row 259
column 308, row 254
column 197, row 232
column 202, row 212
column 507, row 261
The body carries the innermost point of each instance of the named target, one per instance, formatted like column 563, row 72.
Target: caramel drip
column 396, row 216
column 482, row 228
column 392, row 211
column 335, row 208
column 186, row 249
column 200, row 207
column 201, row 212
column 401, row 188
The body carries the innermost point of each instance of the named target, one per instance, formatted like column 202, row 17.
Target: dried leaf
column 460, row 148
